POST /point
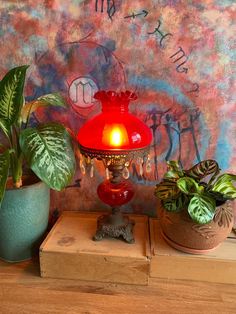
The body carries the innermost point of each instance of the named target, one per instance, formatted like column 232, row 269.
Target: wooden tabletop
column 23, row 291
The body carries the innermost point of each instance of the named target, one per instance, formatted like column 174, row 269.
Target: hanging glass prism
column 92, row 169
column 82, row 166
column 107, row 174
column 148, row 165
column 125, row 173
column 140, row 163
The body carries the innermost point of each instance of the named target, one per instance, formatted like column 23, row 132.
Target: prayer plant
column 199, row 189
column 46, row 148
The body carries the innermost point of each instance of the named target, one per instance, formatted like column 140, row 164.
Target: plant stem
column 16, row 159
column 18, row 173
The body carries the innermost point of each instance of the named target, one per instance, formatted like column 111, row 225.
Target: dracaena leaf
column 166, row 190
column 189, row 186
column 201, row 208
column 224, row 185
column 4, row 168
column 49, row 153
column 5, row 127
column 54, row 99
column 11, row 94
column 203, row 169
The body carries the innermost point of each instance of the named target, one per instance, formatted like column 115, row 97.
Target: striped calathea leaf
column 174, row 171
column 4, row 168
column 201, row 208
column 167, row 190
column 175, row 205
column 224, row 185
column 49, row 153
column 203, row 169
column 11, row 94
column 189, row 186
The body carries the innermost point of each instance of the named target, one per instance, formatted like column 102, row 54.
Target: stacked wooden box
column 69, row 252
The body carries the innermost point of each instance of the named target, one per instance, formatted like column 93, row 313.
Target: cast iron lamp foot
column 114, row 226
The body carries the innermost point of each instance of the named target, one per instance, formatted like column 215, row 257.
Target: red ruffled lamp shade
column 114, row 129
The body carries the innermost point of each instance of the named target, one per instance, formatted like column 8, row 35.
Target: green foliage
column 189, row 186
column 5, row 127
column 174, row 170
column 201, row 208
column 49, row 154
column 47, row 148
column 167, row 190
column 224, row 185
column 4, row 168
column 11, row 94
column 203, row 169
column 196, row 189
column 175, row 205
column 46, row 100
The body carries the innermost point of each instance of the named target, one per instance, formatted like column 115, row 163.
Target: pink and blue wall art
column 178, row 56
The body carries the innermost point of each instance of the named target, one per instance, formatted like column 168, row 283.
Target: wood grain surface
column 23, row 291
column 68, row 252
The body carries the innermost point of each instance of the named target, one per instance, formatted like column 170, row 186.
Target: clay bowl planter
column 23, row 219
column 182, row 233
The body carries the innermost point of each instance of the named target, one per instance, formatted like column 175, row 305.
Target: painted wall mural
column 178, row 56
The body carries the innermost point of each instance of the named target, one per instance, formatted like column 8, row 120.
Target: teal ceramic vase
column 23, row 221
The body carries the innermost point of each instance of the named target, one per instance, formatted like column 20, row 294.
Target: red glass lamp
column 116, row 137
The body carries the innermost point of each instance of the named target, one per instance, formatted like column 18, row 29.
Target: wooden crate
column 216, row 266
column 69, row 252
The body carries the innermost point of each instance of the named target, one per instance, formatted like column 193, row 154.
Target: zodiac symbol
column 157, row 30
column 180, row 54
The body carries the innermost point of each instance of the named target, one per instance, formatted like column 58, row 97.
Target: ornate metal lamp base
column 110, row 227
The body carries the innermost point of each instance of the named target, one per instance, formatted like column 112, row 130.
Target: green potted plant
column 196, row 213
column 45, row 149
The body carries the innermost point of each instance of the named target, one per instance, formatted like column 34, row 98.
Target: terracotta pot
column 182, row 233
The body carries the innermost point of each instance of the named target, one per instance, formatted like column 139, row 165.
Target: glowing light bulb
column 116, row 137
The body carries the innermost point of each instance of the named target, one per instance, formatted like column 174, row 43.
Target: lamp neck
column 115, row 107
column 115, row 102
column 116, row 171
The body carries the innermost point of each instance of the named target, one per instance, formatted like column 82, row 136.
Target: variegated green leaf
column 4, row 168
column 189, row 186
column 54, row 99
column 166, row 190
column 11, row 94
column 224, row 185
column 175, row 205
column 202, row 208
column 49, row 153
column 203, row 169
column 5, row 127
